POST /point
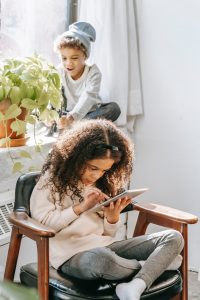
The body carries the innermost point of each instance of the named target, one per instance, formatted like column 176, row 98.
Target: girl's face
column 95, row 169
column 73, row 61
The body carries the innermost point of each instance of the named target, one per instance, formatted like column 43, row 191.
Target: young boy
column 81, row 82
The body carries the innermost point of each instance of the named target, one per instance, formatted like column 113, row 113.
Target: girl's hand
column 113, row 211
column 91, row 197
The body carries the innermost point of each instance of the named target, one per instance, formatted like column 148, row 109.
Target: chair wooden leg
column 184, row 267
column 13, row 253
column 43, row 268
column 141, row 225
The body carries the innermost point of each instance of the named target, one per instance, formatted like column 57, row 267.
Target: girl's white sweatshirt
column 74, row 233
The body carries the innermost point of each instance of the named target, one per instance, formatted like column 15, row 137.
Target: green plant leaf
column 18, row 126
column 53, row 115
column 5, row 141
column 19, row 69
column 15, row 79
column 31, row 119
column 15, row 94
column 30, row 92
column 25, row 154
column 44, row 98
column 7, row 90
column 56, row 79
column 1, row 116
column 38, row 148
column 17, row 167
column 23, row 88
column 55, row 100
column 45, row 115
column 12, row 112
column 32, row 169
column 1, row 93
column 27, row 76
column 37, row 91
column 29, row 103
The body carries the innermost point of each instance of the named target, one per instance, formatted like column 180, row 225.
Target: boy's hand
column 113, row 211
column 64, row 121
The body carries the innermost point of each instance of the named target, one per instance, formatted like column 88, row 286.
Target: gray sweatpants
column 120, row 259
column 109, row 111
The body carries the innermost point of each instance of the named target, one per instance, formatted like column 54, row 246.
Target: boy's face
column 73, row 61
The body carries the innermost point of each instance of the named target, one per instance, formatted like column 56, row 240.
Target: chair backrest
column 23, row 190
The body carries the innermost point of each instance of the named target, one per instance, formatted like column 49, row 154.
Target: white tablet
column 128, row 193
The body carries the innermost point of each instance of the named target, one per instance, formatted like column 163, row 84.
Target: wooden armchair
column 52, row 284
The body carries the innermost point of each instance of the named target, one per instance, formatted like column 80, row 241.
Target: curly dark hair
column 69, row 42
column 87, row 140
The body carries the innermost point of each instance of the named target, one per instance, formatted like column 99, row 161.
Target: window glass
column 29, row 26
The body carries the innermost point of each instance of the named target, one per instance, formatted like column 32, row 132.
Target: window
column 31, row 26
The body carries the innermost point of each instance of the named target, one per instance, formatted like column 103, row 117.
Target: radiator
column 6, row 207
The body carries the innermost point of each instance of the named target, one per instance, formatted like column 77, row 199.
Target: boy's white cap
column 84, row 32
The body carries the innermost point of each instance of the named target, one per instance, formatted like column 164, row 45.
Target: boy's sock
column 131, row 290
column 175, row 264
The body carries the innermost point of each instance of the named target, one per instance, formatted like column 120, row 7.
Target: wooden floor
column 194, row 286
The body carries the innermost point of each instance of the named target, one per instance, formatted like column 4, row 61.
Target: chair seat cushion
column 63, row 287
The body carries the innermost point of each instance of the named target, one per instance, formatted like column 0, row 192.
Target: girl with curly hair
column 90, row 162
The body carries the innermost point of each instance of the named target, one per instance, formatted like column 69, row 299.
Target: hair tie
column 107, row 146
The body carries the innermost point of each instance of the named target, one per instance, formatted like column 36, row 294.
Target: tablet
column 128, row 193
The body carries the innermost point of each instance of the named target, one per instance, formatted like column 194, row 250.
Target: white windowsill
column 7, row 177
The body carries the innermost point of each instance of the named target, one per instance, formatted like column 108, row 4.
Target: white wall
column 167, row 137
column 27, row 254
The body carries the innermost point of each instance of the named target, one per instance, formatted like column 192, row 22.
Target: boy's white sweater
column 82, row 94
column 74, row 233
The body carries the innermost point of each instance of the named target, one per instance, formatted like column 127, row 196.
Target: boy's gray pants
column 109, row 111
column 121, row 259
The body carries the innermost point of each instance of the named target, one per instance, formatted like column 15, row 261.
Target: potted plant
column 30, row 91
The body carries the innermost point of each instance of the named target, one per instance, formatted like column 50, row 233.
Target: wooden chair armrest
column 26, row 224
column 166, row 212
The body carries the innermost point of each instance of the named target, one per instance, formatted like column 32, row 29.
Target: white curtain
column 116, row 54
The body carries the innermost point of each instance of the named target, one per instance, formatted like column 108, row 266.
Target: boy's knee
column 116, row 108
